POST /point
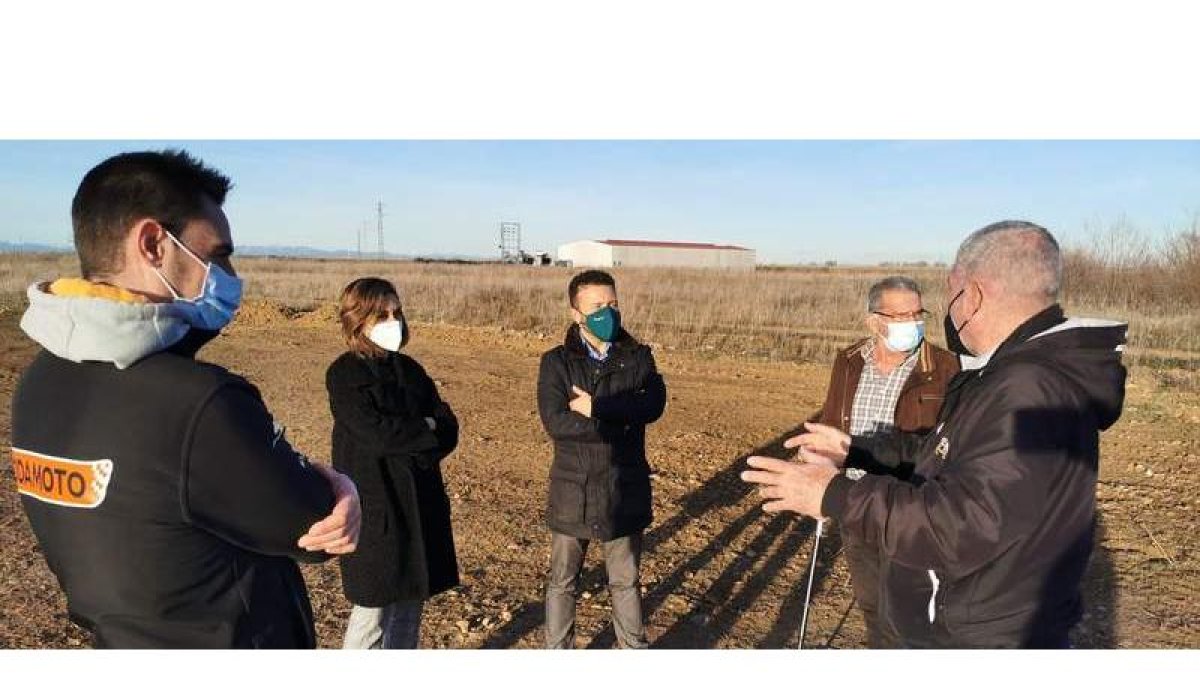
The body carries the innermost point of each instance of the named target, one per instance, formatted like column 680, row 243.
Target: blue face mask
column 219, row 299
column 604, row 323
column 904, row 336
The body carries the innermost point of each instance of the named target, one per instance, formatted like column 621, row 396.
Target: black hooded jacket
column 176, row 519
column 600, row 479
column 986, row 543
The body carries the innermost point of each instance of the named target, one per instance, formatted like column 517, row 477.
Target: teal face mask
column 604, row 323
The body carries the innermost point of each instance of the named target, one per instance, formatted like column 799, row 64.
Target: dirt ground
column 717, row 572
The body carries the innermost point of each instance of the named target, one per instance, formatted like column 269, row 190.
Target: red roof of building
column 671, row 244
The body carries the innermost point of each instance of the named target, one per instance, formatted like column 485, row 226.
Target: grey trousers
column 621, row 560
column 396, row 626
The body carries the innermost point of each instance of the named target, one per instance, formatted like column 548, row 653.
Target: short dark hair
column 589, row 278
column 168, row 185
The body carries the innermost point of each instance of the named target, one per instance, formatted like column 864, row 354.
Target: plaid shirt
column 874, row 409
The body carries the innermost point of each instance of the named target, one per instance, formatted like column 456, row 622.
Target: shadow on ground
column 736, row 587
column 739, row 584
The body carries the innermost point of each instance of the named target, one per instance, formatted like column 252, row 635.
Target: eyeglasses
column 919, row 315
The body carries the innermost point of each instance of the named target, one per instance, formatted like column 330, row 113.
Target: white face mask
column 904, row 336
column 388, row 335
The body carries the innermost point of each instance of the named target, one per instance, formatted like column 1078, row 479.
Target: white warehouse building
column 630, row 253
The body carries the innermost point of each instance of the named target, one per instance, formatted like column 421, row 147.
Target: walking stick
column 812, row 573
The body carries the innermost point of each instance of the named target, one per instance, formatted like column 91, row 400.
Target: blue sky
column 793, row 201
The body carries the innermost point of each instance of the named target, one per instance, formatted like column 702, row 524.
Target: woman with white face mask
column 391, row 430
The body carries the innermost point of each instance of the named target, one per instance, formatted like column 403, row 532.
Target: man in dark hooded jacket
column 596, row 393
column 986, row 542
column 167, row 502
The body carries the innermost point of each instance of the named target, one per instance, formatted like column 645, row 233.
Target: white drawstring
column 933, row 596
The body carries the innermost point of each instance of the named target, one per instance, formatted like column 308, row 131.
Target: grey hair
column 897, row 283
column 1023, row 258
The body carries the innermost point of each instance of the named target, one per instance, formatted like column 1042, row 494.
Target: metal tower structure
column 510, row 242
column 379, row 224
column 364, row 238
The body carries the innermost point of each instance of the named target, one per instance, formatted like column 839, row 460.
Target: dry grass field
column 796, row 313
column 745, row 358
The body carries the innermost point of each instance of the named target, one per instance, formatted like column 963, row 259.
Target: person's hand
column 821, row 444
column 337, row 534
column 582, row 403
column 788, row 486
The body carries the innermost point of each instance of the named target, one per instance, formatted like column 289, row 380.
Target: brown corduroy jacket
column 920, row 399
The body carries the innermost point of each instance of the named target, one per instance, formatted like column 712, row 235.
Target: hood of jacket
column 81, row 321
column 1086, row 352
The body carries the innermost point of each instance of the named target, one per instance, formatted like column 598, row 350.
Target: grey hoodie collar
column 96, row 329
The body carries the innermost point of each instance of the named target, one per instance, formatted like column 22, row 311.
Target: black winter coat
column 600, row 479
column 194, row 501
column 987, row 544
column 382, row 441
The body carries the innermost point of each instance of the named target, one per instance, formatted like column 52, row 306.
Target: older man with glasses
column 986, row 542
column 892, row 380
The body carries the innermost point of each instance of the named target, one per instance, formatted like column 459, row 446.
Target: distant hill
column 10, row 247
column 295, row 252
column 263, row 252
column 310, row 252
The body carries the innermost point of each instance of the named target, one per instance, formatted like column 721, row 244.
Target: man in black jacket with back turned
column 167, row 502
column 985, row 543
column 596, row 394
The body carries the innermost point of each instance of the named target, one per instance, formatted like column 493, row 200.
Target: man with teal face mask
column 596, row 393
column 182, row 509
column 893, row 380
